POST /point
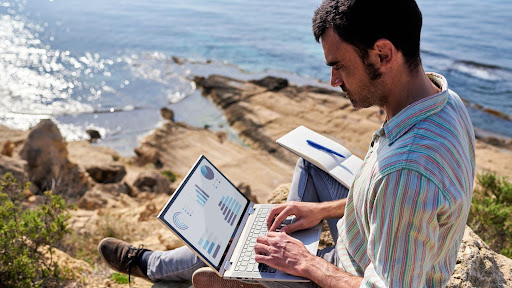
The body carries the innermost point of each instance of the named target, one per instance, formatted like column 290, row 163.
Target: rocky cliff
column 121, row 197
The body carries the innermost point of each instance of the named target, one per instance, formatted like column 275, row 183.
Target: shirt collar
column 417, row 111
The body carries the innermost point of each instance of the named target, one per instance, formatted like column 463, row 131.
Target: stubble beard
column 373, row 93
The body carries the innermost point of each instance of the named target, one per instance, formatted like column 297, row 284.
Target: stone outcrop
column 110, row 173
column 14, row 166
column 48, row 166
column 152, row 181
column 271, row 83
column 478, row 266
column 167, row 114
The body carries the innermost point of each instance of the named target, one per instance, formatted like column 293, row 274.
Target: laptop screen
column 206, row 211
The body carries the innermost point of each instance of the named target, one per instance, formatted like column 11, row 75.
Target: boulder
column 94, row 135
column 271, row 83
column 8, row 148
column 148, row 155
column 152, row 181
column 15, row 166
column 111, row 173
column 167, row 114
column 93, row 199
column 48, row 166
column 479, row 266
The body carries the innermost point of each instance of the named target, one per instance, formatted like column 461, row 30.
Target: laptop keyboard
column 246, row 262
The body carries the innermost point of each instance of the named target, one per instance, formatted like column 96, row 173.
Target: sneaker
column 207, row 278
column 122, row 257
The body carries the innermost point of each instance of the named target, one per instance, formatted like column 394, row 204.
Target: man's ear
column 385, row 52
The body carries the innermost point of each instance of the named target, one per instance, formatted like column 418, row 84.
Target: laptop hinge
column 227, row 265
column 251, row 210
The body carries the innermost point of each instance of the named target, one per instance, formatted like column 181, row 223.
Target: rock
column 152, row 181
column 167, row 114
column 8, row 148
column 222, row 135
column 271, row 83
column 177, row 60
column 280, row 194
column 149, row 212
column 15, row 166
column 115, row 189
column 227, row 88
column 246, row 190
column 94, row 135
column 48, row 166
column 479, row 266
column 112, row 173
column 148, row 155
column 93, row 199
column 78, row 268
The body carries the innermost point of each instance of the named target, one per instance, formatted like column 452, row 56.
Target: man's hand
column 282, row 252
column 307, row 215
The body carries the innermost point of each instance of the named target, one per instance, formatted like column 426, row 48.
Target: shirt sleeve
column 402, row 227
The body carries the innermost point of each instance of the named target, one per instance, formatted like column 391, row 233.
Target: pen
column 320, row 147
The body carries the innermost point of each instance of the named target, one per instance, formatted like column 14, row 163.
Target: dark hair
column 362, row 22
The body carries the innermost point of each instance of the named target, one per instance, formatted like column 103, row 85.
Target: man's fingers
column 262, row 258
column 273, row 213
column 290, row 228
column 280, row 218
column 262, row 240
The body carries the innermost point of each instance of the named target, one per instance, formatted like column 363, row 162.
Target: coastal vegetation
column 29, row 236
column 491, row 211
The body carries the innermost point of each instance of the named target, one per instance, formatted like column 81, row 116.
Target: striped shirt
column 406, row 211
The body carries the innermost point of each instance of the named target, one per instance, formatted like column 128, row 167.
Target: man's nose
column 335, row 79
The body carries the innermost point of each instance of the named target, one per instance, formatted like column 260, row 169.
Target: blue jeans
column 309, row 184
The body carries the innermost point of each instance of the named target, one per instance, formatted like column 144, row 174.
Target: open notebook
column 343, row 169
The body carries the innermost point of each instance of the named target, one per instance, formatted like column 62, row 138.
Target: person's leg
column 312, row 184
column 309, row 184
column 173, row 265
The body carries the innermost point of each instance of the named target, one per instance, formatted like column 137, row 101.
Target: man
column 404, row 216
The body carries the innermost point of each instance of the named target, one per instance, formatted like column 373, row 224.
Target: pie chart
column 207, row 172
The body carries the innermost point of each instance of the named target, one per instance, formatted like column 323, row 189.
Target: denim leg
column 173, row 265
column 312, row 184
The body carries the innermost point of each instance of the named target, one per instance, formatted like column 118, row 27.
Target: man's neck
column 406, row 89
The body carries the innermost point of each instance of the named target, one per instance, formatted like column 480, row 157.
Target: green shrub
column 491, row 212
column 169, row 175
column 27, row 237
column 119, row 278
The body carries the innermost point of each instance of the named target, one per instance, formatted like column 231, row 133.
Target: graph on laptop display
column 206, row 211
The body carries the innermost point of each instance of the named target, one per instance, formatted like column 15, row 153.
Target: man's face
column 361, row 83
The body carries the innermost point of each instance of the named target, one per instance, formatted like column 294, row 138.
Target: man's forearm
column 327, row 275
column 332, row 209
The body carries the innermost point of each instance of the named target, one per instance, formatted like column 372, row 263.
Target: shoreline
column 123, row 134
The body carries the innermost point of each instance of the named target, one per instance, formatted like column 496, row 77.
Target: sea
column 111, row 65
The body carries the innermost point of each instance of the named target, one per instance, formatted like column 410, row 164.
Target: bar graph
column 229, row 208
column 208, row 246
column 201, row 196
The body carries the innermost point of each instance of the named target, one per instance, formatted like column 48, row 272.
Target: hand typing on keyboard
column 306, row 215
column 281, row 251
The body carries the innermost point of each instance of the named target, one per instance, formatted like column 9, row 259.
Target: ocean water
column 111, row 65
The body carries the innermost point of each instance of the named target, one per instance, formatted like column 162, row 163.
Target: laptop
column 221, row 225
